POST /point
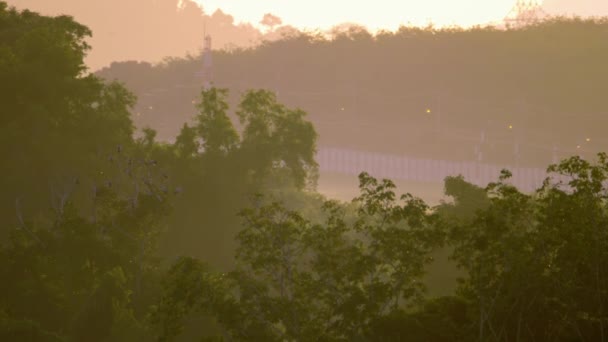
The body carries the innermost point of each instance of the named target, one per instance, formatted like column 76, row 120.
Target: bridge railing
column 352, row 162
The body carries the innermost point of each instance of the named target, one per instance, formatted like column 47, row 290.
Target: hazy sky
column 149, row 30
column 389, row 14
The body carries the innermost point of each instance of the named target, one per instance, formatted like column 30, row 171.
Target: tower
column 207, row 63
column 524, row 12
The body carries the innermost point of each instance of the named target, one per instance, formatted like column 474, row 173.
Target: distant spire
column 206, row 72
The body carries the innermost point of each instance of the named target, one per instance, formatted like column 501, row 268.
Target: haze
column 303, row 171
column 150, row 30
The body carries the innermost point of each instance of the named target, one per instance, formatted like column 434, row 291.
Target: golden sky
column 390, row 14
column 378, row 14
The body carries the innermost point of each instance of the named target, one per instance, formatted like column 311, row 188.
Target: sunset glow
column 381, row 14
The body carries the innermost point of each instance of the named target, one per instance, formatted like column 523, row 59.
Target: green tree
column 573, row 229
column 276, row 139
column 88, row 277
column 299, row 280
column 219, row 169
column 467, row 199
column 535, row 264
column 214, row 126
column 55, row 117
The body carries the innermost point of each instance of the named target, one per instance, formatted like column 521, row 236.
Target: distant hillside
column 441, row 94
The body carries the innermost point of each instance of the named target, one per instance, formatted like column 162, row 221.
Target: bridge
column 396, row 167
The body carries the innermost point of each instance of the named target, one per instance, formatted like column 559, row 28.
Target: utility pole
column 207, row 62
column 206, row 72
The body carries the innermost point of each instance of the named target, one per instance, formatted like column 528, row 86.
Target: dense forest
column 513, row 95
column 109, row 233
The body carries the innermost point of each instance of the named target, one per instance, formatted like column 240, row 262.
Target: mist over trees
column 109, row 234
column 447, row 93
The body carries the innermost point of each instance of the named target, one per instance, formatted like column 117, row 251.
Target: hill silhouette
column 513, row 95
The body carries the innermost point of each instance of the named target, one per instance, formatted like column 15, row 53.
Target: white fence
column 396, row 167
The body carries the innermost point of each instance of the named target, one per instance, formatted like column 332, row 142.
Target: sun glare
column 377, row 15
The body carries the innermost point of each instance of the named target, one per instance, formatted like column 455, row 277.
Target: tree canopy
column 55, row 117
column 111, row 235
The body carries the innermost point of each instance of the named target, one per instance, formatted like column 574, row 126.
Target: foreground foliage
column 297, row 280
column 86, row 210
column 534, row 266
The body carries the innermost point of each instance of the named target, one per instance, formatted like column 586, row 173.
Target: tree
column 55, row 117
column 86, row 276
column 535, row 264
column 276, row 139
column 271, row 21
column 299, row 280
column 219, row 169
column 214, row 126
column 467, row 199
column 186, row 143
column 573, row 229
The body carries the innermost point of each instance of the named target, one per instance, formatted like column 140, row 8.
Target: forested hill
column 436, row 93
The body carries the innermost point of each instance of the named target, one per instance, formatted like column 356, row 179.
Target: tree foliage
column 55, row 117
column 535, row 263
column 85, row 278
column 92, row 203
column 299, row 280
column 220, row 167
